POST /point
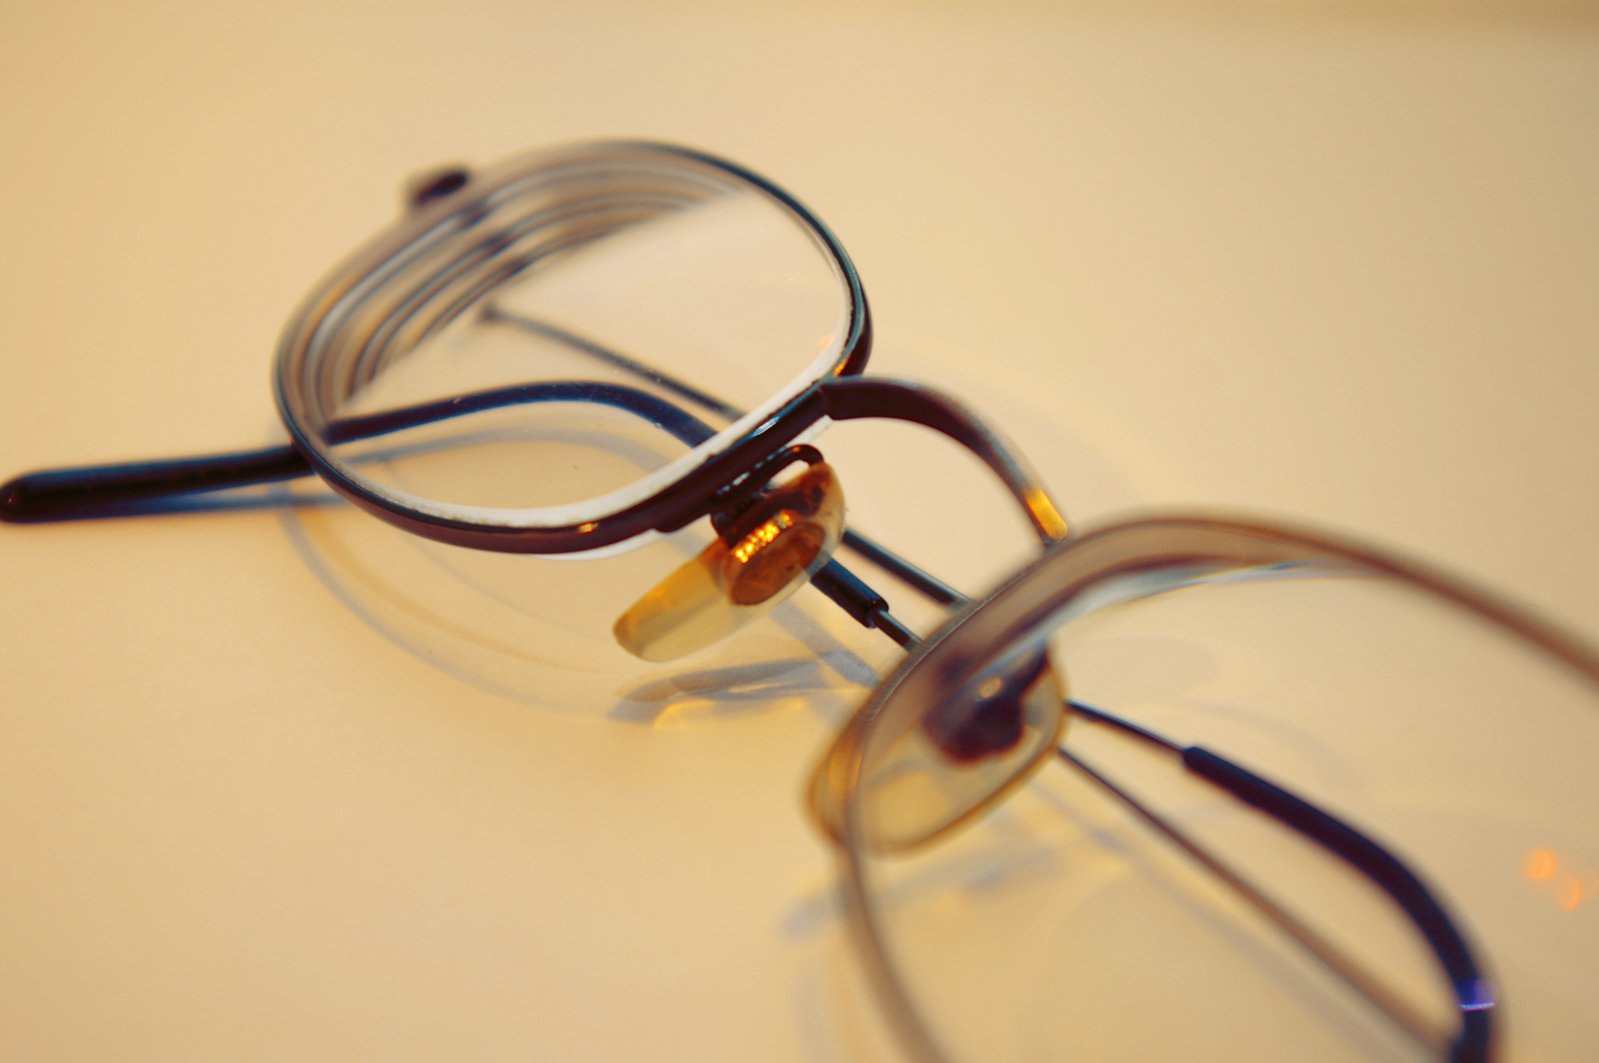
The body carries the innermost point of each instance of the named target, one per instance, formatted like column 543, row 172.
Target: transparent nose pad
column 926, row 768
column 761, row 557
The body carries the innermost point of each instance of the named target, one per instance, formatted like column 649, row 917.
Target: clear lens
column 559, row 345
column 1061, row 927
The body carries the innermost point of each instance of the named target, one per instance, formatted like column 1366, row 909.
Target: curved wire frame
column 1025, row 604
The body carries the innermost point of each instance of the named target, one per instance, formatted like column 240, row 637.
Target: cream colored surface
column 1337, row 263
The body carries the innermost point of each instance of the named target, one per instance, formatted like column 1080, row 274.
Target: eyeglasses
column 587, row 348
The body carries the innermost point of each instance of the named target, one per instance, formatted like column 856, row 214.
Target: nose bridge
column 854, row 398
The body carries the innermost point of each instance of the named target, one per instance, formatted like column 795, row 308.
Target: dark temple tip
column 89, row 491
column 33, row 498
column 14, row 501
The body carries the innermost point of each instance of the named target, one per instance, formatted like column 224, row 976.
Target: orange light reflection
column 1541, row 865
column 1568, row 894
column 1569, row 889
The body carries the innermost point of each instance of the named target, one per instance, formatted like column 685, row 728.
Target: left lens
column 564, row 336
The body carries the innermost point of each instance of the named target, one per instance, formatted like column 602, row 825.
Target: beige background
column 1336, row 262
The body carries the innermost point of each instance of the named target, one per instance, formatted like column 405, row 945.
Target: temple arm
column 112, row 490
column 158, row 486
column 1356, row 849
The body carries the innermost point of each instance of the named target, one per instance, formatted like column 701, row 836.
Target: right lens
column 1059, row 926
column 564, row 336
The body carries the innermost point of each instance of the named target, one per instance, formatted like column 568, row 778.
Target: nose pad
column 759, row 558
column 993, row 720
column 928, row 768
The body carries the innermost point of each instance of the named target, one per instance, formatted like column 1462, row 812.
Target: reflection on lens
column 1061, row 927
